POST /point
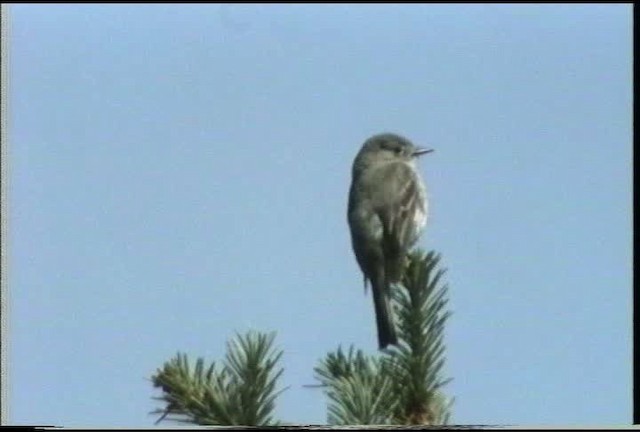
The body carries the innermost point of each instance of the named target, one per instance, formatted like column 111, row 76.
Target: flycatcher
column 387, row 213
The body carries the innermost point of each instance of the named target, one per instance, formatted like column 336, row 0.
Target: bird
column 387, row 213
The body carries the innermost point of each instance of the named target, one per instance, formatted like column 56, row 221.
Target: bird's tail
column 384, row 314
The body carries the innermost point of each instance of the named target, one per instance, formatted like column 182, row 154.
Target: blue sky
column 178, row 173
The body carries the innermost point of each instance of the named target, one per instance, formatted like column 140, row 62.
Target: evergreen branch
column 358, row 391
column 418, row 362
column 242, row 392
column 403, row 385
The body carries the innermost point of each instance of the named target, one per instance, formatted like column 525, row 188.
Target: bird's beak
column 420, row 151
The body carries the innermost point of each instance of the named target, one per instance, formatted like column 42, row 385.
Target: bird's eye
column 390, row 146
column 395, row 149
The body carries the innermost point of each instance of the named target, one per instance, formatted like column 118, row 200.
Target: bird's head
column 388, row 147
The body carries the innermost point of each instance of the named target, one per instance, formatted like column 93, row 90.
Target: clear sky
column 178, row 173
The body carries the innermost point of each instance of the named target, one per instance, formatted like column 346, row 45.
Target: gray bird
column 387, row 213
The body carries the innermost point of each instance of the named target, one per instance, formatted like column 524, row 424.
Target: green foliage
column 241, row 392
column 357, row 390
column 403, row 384
column 417, row 363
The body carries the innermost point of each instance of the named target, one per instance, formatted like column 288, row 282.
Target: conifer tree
column 402, row 385
column 241, row 392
